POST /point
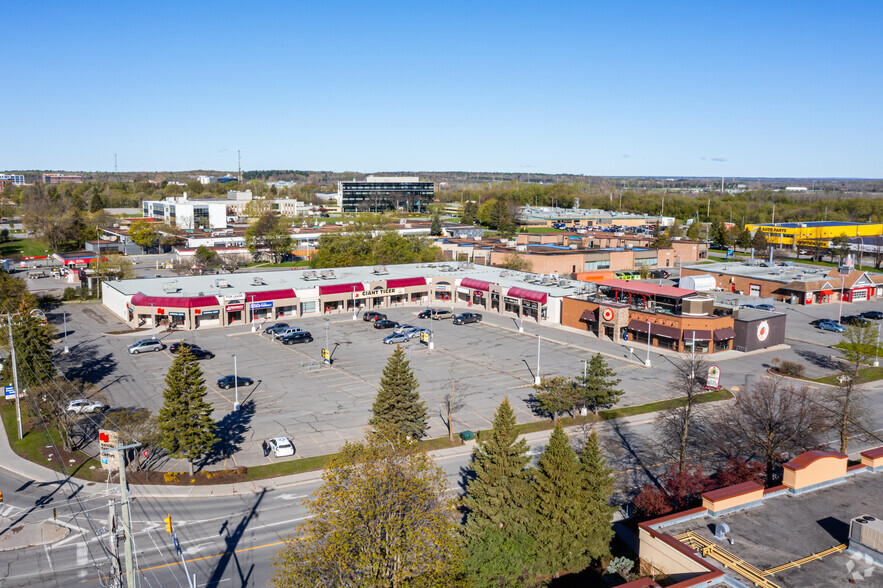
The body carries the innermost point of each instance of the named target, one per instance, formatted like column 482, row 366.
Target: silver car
column 146, row 345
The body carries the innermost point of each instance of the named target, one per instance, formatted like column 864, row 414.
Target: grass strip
column 870, row 374
column 627, row 411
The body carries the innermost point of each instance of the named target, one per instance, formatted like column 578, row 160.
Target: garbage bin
column 467, row 435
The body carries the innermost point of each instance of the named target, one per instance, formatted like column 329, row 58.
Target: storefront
column 272, row 304
column 341, row 297
column 170, row 311
column 474, row 292
column 529, row 302
column 408, row 291
column 443, row 291
column 235, row 313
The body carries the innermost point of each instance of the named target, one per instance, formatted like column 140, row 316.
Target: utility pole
column 15, row 374
column 116, row 571
column 124, row 504
column 239, row 163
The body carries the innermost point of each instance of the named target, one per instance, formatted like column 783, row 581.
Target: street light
column 877, row 346
column 235, row 385
column 66, row 350
column 536, row 379
column 649, row 338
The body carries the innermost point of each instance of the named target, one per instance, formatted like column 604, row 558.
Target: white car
column 281, row 446
column 85, row 406
column 402, row 328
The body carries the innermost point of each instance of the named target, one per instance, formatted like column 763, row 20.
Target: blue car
column 831, row 326
column 766, row 307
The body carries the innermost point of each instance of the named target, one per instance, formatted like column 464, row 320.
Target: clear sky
column 710, row 88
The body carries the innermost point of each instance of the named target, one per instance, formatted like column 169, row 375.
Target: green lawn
column 866, row 375
column 618, row 413
column 541, row 230
column 24, row 247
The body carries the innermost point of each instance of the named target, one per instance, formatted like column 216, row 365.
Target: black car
column 275, row 328
column 176, row 347
column 656, row 274
column 198, row 353
column 467, row 317
column 874, row 315
column 299, row 337
column 372, row 317
column 855, row 320
column 385, row 324
column 226, row 382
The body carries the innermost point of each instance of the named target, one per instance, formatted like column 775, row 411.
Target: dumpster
column 467, row 435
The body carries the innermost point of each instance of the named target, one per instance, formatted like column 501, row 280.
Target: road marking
column 82, row 554
column 70, row 526
column 49, row 558
column 290, row 496
column 66, row 540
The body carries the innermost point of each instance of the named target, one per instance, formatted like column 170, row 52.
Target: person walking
column 266, row 447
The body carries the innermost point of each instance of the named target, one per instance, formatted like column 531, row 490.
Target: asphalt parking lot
column 320, row 407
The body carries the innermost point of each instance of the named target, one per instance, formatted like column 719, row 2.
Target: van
column 286, row 332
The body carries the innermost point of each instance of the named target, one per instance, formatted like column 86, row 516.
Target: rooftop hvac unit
column 868, row 531
column 170, row 287
column 258, row 282
column 327, row 275
column 310, row 275
column 380, row 270
column 222, row 284
column 504, row 273
column 521, row 248
column 574, row 246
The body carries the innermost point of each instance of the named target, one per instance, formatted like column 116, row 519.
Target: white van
column 286, row 331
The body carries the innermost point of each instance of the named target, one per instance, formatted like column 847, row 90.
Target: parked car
column 766, row 307
column 299, row 337
column 441, row 314
column 280, row 446
column 467, row 317
column 146, row 345
column 396, row 338
column 829, row 325
column 385, row 324
column 176, row 347
column 285, row 332
column 274, row 328
column 747, row 306
column 874, row 315
column 415, row 332
column 372, row 317
column 198, row 353
column 402, row 328
column 85, row 406
column 857, row 321
column 226, row 382
column 657, row 274
column 424, row 314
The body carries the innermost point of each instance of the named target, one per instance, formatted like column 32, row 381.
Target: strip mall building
column 195, row 302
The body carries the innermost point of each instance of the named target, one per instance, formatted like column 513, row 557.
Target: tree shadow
column 231, row 431
column 232, row 540
column 820, row 360
column 83, row 362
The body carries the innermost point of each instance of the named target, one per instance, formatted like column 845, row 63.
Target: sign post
column 713, row 379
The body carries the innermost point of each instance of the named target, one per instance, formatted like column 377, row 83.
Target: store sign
column 234, row 307
column 177, row 314
column 608, row 314
column 763, row 331
column 713, row 380
column 234, row 297
column 267, row 304
column 463, row 290
column 444, row 287
column 108, row 439
column 211, row 313
column 160, row 311
column 10, row 392
column 478, row 293
column 379, row 292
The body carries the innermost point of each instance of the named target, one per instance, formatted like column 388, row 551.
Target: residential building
column 206, row 179
column 187, row 214
column 14, row 179
column 378, row 193
column 61, row 179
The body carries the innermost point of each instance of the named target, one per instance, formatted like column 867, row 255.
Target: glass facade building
column 378, row 195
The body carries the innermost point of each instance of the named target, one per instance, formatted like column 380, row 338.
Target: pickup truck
column 37, row 274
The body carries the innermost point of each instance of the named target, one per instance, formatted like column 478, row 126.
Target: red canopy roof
column 270, row 295
column 646, row 289
column 405, row 282
column 526, row 294
column 475, row 284
column 140, row 299
column 341, row 288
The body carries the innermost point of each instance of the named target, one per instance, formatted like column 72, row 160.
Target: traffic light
column 168, row 521
column 326, row 354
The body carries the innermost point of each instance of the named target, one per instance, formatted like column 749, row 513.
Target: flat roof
column 811, row 224
column 774, row 273
column 790, row 527
column 646, row 288
column 294, row 278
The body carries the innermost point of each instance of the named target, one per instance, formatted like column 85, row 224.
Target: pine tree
column 96, row 203
column 187, row 429
column 744, row 240
column 597, row 489
column 398, row 410
column 599, row 385
column 436, row 228
column 499, row 549
column 559, row 508
column 33, row 350
column 693, row 231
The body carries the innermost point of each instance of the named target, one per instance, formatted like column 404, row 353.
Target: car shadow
column 231, row 432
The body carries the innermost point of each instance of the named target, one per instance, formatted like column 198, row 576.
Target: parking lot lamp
column 251, row 313
column 66, row 350
column 877, row 346
column 521, row 318
column 647, row 361
column 355, row 308
column 235, row 385
column 840, row 312
column 536, row 379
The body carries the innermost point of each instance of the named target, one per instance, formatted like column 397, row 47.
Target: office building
column 15, row 179
column 377, row 194
column 61, row 179
column 187, row 214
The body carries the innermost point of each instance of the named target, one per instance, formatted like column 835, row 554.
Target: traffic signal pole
column 124, row 504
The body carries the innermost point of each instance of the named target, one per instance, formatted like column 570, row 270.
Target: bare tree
column 771, row 419
column 678, row 429
column 847, row 402
column 230, row 262
column 451, row 402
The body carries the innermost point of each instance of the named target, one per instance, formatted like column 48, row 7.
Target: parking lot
column 319, row 407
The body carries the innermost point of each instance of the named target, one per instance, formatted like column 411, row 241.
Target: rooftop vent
column 380, row 270
column 504, row 273
column 327, row 275
column 257, row 281
column 170, row 287
column 310, row 275
column 222, row 284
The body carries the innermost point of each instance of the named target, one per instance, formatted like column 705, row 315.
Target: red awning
column 724, row 334
column 589, row 316
column 405, row 282
column 341, row 288
column 526, row 294
column 270, row 295
column 826, row 292
column 698, row 335
column 140, row 299
column 475, row 284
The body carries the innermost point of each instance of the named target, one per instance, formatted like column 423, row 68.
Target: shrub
column 792, row 368
column 70, row 294
column 171, row 477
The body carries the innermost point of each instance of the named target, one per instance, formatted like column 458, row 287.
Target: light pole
column 235, row 385
column 153, row 319
column 536, row 379
column 327, row 360
column 877, row 346
column 251, row 313
column 649, row 338
column 521, row 317
column 840, row 312
column 355, row 308
column 66, row 350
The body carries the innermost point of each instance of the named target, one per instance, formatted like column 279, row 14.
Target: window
column 646, row 261
column 597, row 265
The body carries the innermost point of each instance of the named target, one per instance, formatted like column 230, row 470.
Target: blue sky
column 776, row 89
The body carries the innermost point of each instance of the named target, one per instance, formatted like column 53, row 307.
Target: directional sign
column 144, row 453
column 10, row 392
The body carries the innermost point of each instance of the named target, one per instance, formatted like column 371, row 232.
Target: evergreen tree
column 398, row 410
column 499, row 549
column 470, row 212
column 599, row 384
column 187, row 429
column 744, row 240
column 33, row 351
column 759, row 242
column 559, row 509
column 693, row 231
column 436, row 228
column 96, row 203
column 597, row 482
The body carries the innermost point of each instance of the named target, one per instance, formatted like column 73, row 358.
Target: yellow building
column 809, row 234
